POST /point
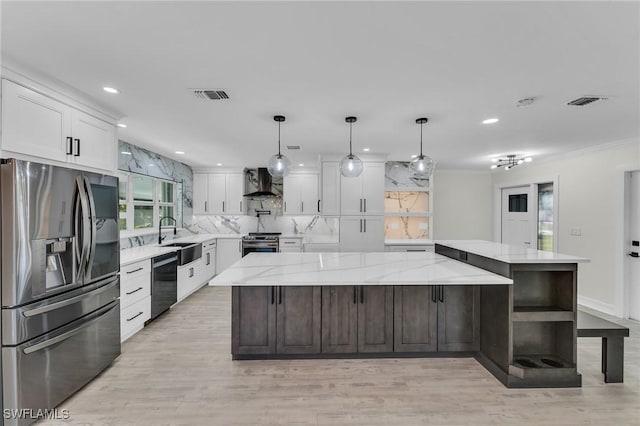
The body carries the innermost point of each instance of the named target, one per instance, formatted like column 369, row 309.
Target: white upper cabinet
column 218, row 193
column 300, row 194
column 93, row 141
column 37, row 125
column 363, row 195
column 330, row 195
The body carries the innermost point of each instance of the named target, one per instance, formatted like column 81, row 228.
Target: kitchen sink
column 187, row 253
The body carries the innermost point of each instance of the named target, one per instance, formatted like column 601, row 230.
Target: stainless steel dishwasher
column 164, row 283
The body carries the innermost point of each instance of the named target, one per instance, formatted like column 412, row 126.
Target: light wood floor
column 179, row 371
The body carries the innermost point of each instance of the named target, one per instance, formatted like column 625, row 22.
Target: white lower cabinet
column 290, row 245
column 208, row 269
column 135, row 297
column 189, row 278
column 228, row 252
column 362, row 233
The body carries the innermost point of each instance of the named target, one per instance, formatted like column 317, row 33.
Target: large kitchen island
column 512, row 309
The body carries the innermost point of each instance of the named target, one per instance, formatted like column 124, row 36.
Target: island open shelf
column 361, row 305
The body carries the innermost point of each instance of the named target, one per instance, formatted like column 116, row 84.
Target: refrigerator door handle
column 83, row 218
column 92, row 218
column 64, row 336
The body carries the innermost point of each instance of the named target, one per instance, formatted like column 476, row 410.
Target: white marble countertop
column 290, row 269
column 135, row 254
column 509, row 253
column 401, row 242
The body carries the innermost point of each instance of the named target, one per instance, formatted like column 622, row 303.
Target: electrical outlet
column 394, row 226
column 576, row 232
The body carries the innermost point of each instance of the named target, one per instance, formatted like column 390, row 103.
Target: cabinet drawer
column 132, row 318
column 290, row 243
column 209, row 245
column 136, row 285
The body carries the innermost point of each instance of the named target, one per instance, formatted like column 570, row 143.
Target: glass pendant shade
column 279, row 165
column 350, row 166
column 421, row 167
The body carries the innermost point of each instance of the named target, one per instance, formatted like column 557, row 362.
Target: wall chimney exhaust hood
column 259, row 183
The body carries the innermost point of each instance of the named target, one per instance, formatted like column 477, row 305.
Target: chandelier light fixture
column 279, row 165
column 422, row 165
column 350, row 165
column 509, row 162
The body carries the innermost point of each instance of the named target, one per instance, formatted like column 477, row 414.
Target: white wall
column 590, row 198
column 462, row 205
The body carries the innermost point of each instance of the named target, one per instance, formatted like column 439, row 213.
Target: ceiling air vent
column 210, row 94
column 586, row 100
column 294, row 147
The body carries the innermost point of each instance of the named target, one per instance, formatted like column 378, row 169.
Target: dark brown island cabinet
column 524, row 333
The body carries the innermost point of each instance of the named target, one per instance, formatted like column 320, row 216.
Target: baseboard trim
column 605, row 308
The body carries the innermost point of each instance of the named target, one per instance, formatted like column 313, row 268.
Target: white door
column 373, row 234
column 330, row 196
column 217, row 190
column 518, row 225
column 373, row 188
column 200, row 193
column 309, row 194
column 94, row 141
column 291, row 194
column 235, row 193
column 351, row 233
column 634, row 235
column 34, row 124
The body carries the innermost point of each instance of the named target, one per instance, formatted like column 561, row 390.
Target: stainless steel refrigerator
column 60, row 286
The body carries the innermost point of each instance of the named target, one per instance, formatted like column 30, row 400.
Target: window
column 144, row 200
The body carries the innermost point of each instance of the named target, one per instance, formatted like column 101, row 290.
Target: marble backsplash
column 314, row 229
column 398, row 175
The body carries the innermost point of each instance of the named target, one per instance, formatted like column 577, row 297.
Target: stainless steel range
column 260, row 242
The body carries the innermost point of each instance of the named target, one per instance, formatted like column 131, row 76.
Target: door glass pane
column 122, row 190
column 142, row 188
column 123, row 224
column 518, row 203
column 406, row 202
column 142, row 217
column 545, row 216
column 164, row 212
column 406, row 227
column 165, row 192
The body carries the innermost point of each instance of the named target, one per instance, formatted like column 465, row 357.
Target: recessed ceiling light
column 125, row 152
column 180, row 152
column 414, row 155
column 110, row 90
column 219, row 164
column 528, row 160
column 124, row 126
column 366, row 149
column 494, row 166
column 301, row 164
column 490, row 120
column 494, row 160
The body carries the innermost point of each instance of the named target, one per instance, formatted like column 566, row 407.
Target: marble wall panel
column 398, row 175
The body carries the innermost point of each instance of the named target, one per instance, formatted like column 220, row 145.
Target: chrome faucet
column 175, row 229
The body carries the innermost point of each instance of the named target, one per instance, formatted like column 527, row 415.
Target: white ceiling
column 387, row 63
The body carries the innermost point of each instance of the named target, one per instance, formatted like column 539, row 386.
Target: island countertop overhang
column 337, row 269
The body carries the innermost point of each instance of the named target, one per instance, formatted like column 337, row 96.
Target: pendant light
column 422, row 166
column 350, row 165
column 279, row 165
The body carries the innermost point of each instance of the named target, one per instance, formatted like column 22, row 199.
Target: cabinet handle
column 273, row 295
column 355, row 297
column 280, row 295
column 223, row 206
column 365, row 205
column 208, row 258
column 135, row 270
column 361, row 294
column 360, row 225
column 240, row 246
column 190, row 272
column 134, row 291
column 318, row 206
column 441, row 297
column 205, row 206
column 433, row 294
column 69, row 145
column 360, row 205
column 365, row 224
column 77, row 154
column 285, row 206
column 301, row 206
column 289, row 242
column 416, row 250
column 135, row 316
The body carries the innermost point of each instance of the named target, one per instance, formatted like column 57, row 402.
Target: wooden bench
column 612, row 343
